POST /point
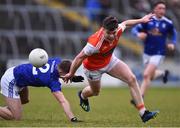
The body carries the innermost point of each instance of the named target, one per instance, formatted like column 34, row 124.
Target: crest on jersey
column 163, row 25
column 150, row 23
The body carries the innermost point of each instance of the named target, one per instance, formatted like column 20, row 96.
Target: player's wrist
column 141, row 20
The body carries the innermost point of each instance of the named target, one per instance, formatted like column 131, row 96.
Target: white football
column 38, row 57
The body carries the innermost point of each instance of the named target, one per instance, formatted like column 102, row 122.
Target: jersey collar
column 154, row 17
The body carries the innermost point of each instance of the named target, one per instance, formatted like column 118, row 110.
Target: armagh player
column 97, row 58
column 154, row 35
column 15, row 80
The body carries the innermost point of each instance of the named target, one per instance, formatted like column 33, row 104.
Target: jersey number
column 42, row 70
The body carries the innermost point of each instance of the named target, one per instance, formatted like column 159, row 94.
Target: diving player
column 15, row 80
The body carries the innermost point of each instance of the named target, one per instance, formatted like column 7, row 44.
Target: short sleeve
column 122, row 27
column 55, row 86
column 90, row 49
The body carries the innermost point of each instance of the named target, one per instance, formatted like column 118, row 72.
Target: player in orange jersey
column 97, row 58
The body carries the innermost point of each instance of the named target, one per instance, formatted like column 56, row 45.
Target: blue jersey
column 157, row 31
column 46, row 76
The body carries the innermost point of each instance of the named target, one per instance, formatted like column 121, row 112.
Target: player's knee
column 146, row 76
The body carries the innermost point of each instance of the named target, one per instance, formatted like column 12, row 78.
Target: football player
column 97, row 58
column 154, row 35
column 15, row 80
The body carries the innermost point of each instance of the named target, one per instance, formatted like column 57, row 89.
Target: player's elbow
column 81, row 56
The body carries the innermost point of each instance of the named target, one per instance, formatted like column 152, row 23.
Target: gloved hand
column 77, row 79
column 74, row 120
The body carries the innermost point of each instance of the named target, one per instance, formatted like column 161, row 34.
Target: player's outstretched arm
column 66, row 106
column 132, row 22
column 74, row 66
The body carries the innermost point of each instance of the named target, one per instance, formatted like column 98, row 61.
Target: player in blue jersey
column 154, row 35
column 15, row 80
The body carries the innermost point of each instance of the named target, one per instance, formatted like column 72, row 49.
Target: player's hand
column 77, row 79
column 171, row 47
column 67, row 77
column 142, row 36
column 147, row 18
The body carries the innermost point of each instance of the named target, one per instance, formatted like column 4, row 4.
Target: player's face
column 160, row 10
column 61, row 73
column 110, row 35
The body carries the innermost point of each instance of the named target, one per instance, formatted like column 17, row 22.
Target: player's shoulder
column 22, row 68
column 96, row 37
column 25, row 65
column 54, row 60
column 167, row 20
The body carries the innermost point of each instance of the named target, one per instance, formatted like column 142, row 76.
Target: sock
column 82, row 96
column 141, row 109
column 163, row 73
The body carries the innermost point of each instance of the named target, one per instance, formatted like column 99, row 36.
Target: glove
column 74, row 120
column 77, row 79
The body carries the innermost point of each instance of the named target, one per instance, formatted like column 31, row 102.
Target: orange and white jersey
column 99, row 50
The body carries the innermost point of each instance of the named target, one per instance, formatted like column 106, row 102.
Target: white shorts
column 154, row 59
column 8, row 85
column 97, row 74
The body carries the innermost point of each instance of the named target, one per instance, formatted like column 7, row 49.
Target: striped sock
column 141, row 109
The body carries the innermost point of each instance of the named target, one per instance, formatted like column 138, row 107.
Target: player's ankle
column 84, row 98
column 141, row 108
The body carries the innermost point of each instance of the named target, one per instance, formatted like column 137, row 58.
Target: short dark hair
column 65, row 65
column 159, row 2
column 110, row 23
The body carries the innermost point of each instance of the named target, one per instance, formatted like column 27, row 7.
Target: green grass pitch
column 110, row 109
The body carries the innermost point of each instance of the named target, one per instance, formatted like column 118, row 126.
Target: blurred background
column 61, row 27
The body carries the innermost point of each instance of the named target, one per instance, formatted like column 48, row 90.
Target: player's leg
column 151, row 70
column 15, row 107
column 147, row 76
column 158, row 73
column 93, row 89
column 161, row 74
column 10, row 92
column 123, row 72
column 13, row 110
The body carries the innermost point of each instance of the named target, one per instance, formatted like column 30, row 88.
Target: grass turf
column 110, row 109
